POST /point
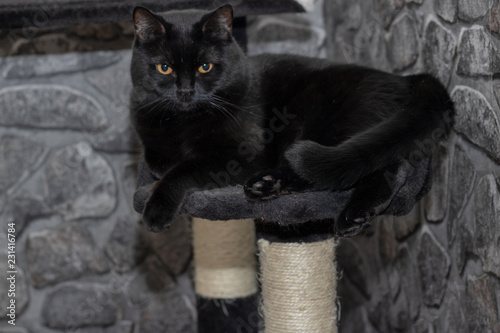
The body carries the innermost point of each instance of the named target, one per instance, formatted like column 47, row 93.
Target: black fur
column 310, row 123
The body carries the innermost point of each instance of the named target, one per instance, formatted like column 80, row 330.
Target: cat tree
column 296, row 237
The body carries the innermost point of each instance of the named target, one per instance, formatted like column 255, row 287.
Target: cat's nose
column 185, row 94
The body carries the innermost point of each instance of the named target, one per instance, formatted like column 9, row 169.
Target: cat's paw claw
column 263, row 188
column 350, row 224
column 268, row 178
column 360, row 218
column 350, row 230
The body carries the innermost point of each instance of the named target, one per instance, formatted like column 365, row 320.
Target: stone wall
column 68, row 159
column 67, row 174
column 437, row 269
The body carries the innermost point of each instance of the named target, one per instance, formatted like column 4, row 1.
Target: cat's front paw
column 158, row 215
column 354, row 220
column 263, row 186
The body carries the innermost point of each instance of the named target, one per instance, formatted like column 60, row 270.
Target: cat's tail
column 411, row 133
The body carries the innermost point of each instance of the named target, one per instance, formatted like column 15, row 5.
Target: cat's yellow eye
column 164, row 69
column 205, row 68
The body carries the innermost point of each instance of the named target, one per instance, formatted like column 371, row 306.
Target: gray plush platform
column 410, row 183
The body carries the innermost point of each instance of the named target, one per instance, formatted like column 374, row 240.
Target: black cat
column 208, row 116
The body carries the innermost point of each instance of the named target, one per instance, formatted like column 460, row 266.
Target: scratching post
column 297, row 255
column 298, row 277
column 298, row 286
column 225, row 275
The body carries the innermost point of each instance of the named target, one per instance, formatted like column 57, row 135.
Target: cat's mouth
column 185, row 106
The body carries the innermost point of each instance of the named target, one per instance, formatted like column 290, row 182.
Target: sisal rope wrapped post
column 225, row 275
column 299, row 286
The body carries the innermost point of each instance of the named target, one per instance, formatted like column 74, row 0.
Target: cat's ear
column 219, row 23
column 147, row 25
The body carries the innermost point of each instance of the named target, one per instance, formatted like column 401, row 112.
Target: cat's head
column 185, row 60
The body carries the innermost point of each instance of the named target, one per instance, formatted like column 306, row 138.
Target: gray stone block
column 24, row 67
column 284, row 34
column 80, row 183
column 342, row 23
column 386, row 241
column 353, row 15
column 379, row 317
column 447, row 9
column 22, row 296
column 40, row 44
column 410, row 281
column 494, row 19
column 388, row 9
column 476, row 120
column 487, row 223
column 408, row 224
column 116, row 84
column 403, row 43
column 394, row 284
column 438, row 51
column 50, row 106
column 129, row 183
column 477, row 55
column 168, row 313
column 496, row 91
column 482, row 304
column 436, row 201
column 64, row 253
column 352, row 263
column 473, row 10
column 399, row 317
column 462, row 180
column 434, row 266
column 370, row 46
column 464, row 244
column 18, row 157
column 25, row 206
column 70, row 306
column 116, row 138
column 98, row 31
column 123, row 246
column 463, row 174
column 453, row 318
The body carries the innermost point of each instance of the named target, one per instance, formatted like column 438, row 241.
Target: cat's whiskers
column 164, row 114
column 216, row 103
column 226, row 112
column 152, row 106
column 245, row 109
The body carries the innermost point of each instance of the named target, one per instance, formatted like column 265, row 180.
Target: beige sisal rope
column 224, row 258
column 298, row 286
